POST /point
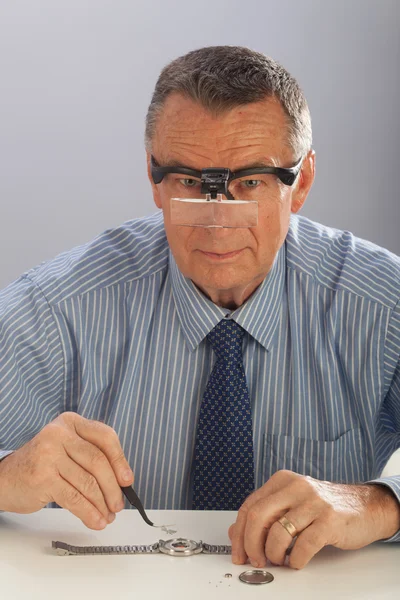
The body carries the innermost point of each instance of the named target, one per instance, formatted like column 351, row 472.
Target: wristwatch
column 174, row 547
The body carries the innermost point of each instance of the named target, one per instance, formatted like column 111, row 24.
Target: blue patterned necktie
column 223, row 457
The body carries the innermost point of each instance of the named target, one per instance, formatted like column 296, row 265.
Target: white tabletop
column 30, row 568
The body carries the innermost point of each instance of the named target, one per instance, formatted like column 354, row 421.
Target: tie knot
column 226, row 339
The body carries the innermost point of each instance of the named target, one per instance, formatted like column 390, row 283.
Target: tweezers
column 135, row 501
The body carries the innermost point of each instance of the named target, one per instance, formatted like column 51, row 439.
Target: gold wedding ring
column 288, row 525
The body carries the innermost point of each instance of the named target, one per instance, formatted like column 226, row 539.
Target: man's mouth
column 222, row 255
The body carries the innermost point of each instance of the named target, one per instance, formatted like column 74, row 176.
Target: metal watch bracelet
column 174, row 547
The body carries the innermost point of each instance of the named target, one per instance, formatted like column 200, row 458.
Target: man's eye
column 189, row 182
column 251, row 183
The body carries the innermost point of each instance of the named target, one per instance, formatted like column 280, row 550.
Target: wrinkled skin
column 323, row 513
column 246, row 135
column 76, row 462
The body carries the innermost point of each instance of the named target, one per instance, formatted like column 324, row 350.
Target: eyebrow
column 256, row 165
column 176, row 163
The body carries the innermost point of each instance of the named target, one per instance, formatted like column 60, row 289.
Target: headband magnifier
column 243, row 190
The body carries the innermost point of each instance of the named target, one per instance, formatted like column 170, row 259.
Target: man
column 111, row 353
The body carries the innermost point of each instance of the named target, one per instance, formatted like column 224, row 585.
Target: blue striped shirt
column 113, row 331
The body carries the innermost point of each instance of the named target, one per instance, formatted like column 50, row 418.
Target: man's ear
column 154, row 187
column 304, row 182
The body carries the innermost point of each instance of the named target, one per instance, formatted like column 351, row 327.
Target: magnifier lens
column 196, row 212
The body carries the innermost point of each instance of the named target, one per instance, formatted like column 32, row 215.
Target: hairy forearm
column 385, row 509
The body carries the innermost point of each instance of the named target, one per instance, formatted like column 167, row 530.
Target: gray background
column 76, row 77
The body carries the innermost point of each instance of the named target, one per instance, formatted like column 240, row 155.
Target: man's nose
column 220, row 233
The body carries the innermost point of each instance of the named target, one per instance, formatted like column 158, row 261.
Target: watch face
column 180, row 547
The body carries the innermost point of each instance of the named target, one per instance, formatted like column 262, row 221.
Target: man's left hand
column 323, row 513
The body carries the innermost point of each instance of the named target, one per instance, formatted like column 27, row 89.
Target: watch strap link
column 216, row 549
column 62, row 548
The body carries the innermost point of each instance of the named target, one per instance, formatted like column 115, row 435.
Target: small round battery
column 256, row 576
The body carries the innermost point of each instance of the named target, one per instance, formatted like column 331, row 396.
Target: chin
column 221, row 281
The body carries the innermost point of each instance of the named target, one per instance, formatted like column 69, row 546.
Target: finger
column 260, row 519
column 308, row 543
column 94, row 461
column 278, row 481
column 105, row 438
column 279, row 540
column 68, row 497
column 239, row 556
column 86, row 484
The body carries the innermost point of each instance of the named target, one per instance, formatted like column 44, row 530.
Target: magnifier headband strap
column 158, row 172
column 286, row 174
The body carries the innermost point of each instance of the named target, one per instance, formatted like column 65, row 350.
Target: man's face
column 229, row 264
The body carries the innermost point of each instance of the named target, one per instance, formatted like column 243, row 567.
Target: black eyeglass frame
column 216, row 180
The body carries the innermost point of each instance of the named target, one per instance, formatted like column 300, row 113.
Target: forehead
column 188, row 133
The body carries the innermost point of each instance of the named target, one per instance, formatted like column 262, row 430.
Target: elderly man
column 226, row 351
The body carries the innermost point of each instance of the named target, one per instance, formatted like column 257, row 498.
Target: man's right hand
column 73, row 461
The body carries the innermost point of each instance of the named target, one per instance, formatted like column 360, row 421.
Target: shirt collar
column 259, row 315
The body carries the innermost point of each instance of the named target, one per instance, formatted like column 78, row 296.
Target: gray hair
column 223, row 77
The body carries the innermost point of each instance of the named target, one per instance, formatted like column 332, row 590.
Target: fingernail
column 127, row 475
column 111, row 517
column 102, row 523
column 255, row 563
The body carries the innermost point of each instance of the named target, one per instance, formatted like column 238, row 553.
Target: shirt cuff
column 393, row 483
column 4, row 453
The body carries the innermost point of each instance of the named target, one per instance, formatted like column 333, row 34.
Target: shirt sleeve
column 31, row 364
column 391, row 408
